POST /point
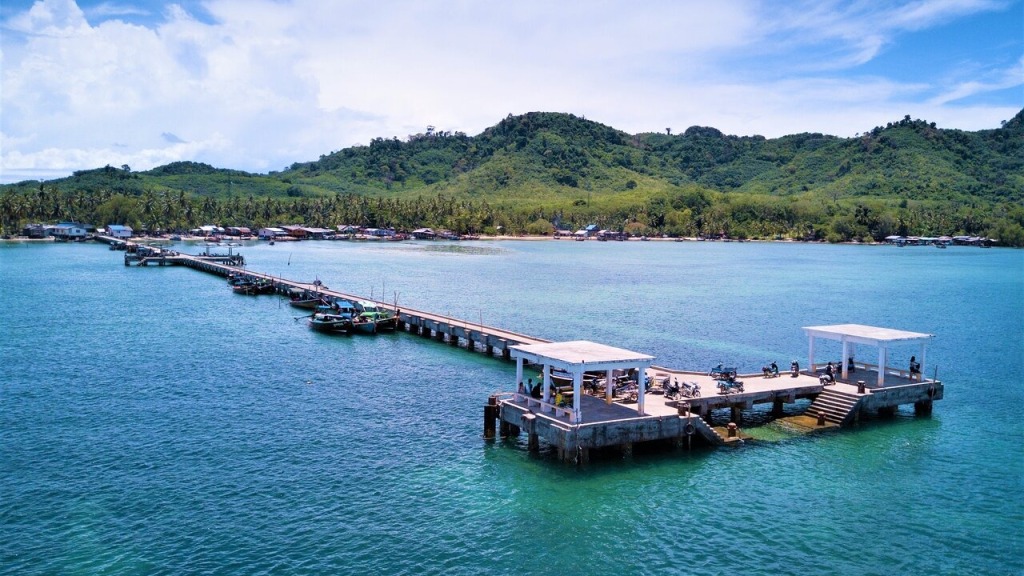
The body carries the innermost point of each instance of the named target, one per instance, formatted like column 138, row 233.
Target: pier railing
column 544, row 407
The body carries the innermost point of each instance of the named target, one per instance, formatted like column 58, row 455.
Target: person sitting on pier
column 534, row 389
column 830, row 371
column 915, row 368
column 794, row 369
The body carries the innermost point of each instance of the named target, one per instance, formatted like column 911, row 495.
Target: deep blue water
column 151, row 422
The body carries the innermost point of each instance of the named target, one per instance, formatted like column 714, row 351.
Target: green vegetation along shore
column 534, row 173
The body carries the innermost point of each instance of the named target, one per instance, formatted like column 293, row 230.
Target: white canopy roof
column 580, row 353
column 861, row 334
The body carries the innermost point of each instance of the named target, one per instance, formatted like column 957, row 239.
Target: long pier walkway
column 490, row 339
column 599, row 419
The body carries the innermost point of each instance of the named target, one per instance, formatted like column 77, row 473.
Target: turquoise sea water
column 151, row 422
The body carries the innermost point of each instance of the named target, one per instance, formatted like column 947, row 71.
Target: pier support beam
column 923, row 408
column 777, row 407
column 508, row 429
column 736, row 414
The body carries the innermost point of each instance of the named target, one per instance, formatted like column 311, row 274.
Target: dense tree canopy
column 538, row 171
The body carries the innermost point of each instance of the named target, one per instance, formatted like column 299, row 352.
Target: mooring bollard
column 732, row 429
column 821, row 418
column 860, row 386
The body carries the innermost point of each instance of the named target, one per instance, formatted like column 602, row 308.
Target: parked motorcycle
column 673, row 391
column 729, row 386
column 690, row 389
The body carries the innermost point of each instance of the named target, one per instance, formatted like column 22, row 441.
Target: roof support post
column 810, row 352
column 924, row 350
column 842, row 361
column 641, row 384
column 547, row 384
column 519, row 372
column 577, row 380
column 608, row 386
column 881, row 364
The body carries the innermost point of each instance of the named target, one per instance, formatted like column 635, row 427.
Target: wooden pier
column 575, row 419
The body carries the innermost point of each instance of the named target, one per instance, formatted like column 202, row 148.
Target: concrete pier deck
column 599, row 422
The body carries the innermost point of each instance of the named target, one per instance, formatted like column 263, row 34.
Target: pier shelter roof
column 861, row 334
column 577, row 353
column 881, row 338
column 577, row 357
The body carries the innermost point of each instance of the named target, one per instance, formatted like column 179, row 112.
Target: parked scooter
column 690, row 389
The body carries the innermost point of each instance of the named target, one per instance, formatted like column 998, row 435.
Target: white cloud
column 259, row 84
column 991, row 82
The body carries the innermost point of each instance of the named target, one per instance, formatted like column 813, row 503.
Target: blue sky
column 259, row 84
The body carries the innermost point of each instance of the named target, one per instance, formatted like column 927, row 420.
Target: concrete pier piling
column 490, row 417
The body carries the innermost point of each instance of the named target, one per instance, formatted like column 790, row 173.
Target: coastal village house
column 119, row 231
column 295, row 231
column 319, row 233
column 270, row 233
column 207, row 231
column 68, row 231
column 34, row 231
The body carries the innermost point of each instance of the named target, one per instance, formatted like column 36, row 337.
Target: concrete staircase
column 839, row 407
column 709, row 433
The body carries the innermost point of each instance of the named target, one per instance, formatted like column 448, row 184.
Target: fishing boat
column 300, row 298
column 238, row 278
column 335, row 316
column 252, row 287
column 372, row 318
column 331, row 322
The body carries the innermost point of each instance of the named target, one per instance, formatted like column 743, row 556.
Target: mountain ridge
column 561, row 168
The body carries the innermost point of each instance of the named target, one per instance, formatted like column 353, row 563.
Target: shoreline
column 524, row 238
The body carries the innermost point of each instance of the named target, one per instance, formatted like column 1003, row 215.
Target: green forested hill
column 531, row 172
